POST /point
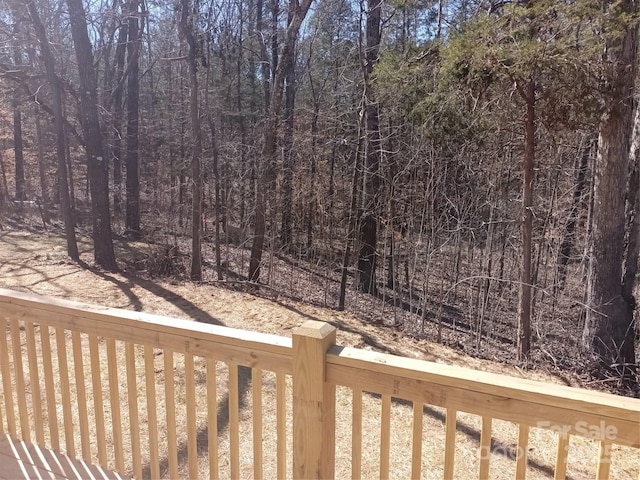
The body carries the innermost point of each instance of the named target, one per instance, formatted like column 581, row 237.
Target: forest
column 459, row 171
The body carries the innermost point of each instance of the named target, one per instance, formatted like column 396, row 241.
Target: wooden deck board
column 20, row 460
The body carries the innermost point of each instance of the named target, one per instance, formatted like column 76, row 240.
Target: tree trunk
column 608, row 332
column 96, row 163
column 117, row 118
column 187, row 25
column 132, row 222
column 371, row 180
column 524, row 310
column 58, row 120
column 18, row 150
column 632, row 211
column 267, row 177
column 42, row 169
column 287, row 150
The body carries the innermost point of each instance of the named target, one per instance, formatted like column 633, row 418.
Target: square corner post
column 314, row 402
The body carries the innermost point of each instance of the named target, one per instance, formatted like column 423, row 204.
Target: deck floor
column 20, row 460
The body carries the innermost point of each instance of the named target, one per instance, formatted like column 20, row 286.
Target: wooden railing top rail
column 252, row 349
column 576, row 411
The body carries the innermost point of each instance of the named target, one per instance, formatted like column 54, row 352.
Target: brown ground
column 35, row 261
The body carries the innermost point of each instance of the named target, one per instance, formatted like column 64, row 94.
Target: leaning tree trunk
column 96, row 163
column 58, row 121
column 608, row 333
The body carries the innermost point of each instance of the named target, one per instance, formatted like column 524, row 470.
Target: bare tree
column 270, row 141
column 90, row 120
column 132, row 218
column 371, row 179
column 58, row 121
column 187, row 26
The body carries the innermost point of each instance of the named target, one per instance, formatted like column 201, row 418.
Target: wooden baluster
column 23, row 411
column 450, row 443
column 385, row 436
column 50, row 392
column 150, row 384
column 256, row 393
column 234, row 432
column 604, row 461
column 114, row 393
column 521, row 454
column 485, row 448
column 356, row 435
column 561, row 457
column 416, row 447
column 81, row 394
column 281, row 428
column 98, row 404
column 34, row 381
column 170, row 403
column 63, row 368
column 192, row 443
column 6, row 383
column 132, row 395
column 212, row 418
column 1, row 416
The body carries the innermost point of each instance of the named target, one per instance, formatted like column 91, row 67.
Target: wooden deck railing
column 155, row 397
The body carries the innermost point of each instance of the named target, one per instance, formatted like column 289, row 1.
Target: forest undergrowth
column 448, row 304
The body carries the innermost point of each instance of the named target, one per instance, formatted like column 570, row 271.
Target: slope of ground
column 34, row 260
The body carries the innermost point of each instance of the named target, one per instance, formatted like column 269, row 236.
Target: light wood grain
column 356, row 435
column 134, row 415
column 114, row 393
column 416, row 443
column 192, row 428
column 385, row 436
column 98, row 405
column 234, row 424
column 450, row 443
column 604, row 461
column 81, row 395
column 47, row 371
column 34, row 381
column 562, row 453
column 230, row 345
column 522, row 452
column 18, row 370
column 512, row 399
column 152, row 411
column 281, row 425
column 256, row 411
column 212, row 418
column 170, row 407
column 485, row 448
column 20, row 460
column 7, row 384
column 313, row 402
column 65, row 390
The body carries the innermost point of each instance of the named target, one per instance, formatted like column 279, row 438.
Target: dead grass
column 36, row 262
